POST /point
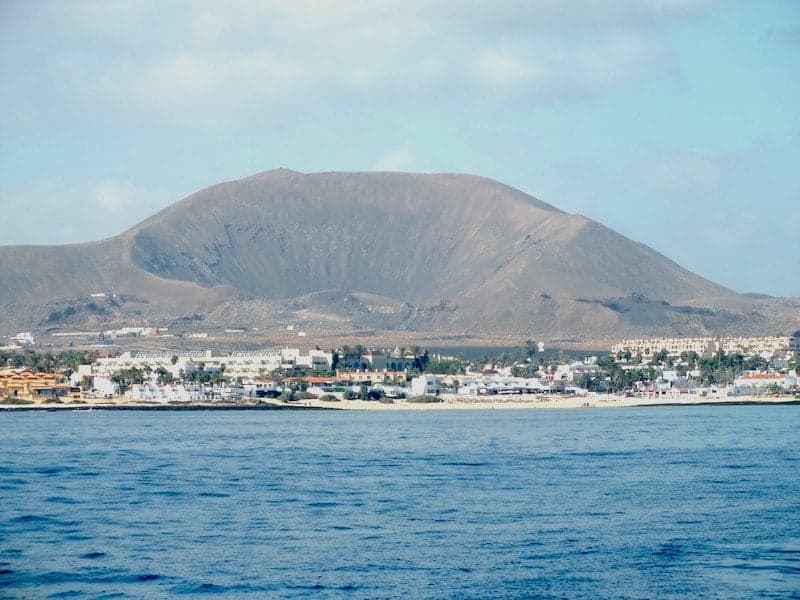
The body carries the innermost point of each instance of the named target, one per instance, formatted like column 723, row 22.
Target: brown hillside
column 449, row 253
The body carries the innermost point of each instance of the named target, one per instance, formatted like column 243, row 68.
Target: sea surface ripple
column 630, row 503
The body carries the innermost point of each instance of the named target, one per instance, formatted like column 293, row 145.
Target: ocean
column 681, row 502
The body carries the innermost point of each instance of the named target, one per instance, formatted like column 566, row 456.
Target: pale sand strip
column 449, row 402
column 452, row 402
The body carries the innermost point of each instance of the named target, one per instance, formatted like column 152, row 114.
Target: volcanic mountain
column 445, row 253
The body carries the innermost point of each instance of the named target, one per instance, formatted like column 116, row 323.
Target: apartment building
column 765, row 346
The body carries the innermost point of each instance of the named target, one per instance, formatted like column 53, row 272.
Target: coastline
column 539, row 402
column 449, row 402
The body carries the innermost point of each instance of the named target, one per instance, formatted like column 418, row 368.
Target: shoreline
column 553, row 402
column 448, row 403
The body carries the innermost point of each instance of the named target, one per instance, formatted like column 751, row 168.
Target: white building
column 183, row 362
column 430, row 385
column 761, row 381
column 104, row 387
column 150, row 392
column 764, row 346
column 23, row 338
column 316, row 360
column 573, row 371
column 235, row 365
column 131, row 331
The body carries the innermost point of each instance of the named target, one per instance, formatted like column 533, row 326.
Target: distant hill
column 443, row 253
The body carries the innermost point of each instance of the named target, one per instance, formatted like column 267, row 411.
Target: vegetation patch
column 15, row 401
column 425, row 399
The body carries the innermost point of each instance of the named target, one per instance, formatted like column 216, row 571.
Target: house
column 575, row 370
column 683, row 386
column 759, row 382
column 370, row 377
column 24, row 383
column 429, row 385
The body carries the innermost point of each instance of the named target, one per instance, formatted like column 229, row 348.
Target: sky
column 674, row 122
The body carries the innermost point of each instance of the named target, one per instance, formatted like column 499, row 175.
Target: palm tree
column 530, row 348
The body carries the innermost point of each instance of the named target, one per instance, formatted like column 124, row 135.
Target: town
column 657, row 369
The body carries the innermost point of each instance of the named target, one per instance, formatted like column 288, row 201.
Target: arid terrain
column 381, row 257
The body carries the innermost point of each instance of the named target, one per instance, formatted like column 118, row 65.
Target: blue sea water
column 623, row 503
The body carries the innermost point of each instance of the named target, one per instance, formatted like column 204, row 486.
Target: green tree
column 530, row 349
column 163, row 376
column 425, row 359
column 526, row 370
column 755, row 363
column 691, row 359
column 125, row 378
column 358, row 353
column 347, row 356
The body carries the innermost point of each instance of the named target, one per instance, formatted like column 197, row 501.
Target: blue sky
column 675, row 122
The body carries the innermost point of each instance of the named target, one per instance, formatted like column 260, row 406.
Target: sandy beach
column 449, row 402
column 530, row 401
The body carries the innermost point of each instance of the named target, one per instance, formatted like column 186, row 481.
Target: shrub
column 303, row 396
column 350, row 395
column 15, row 401
column 328, row 398
column 424, row 399
column 287, row 396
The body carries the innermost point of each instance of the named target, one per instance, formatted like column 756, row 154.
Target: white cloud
column 76, row 211
column 503, row 69
column 397, row 160
column 113, row 196
column 204, row 64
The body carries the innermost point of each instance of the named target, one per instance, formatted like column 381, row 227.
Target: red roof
column 763, row 376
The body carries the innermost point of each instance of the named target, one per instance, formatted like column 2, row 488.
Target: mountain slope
column 449, row 253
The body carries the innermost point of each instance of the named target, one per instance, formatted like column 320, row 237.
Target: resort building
column 370, row 376
column 765, row 346
column 23, row 383
column 235, row 365
column 315, row 360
